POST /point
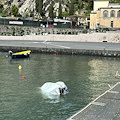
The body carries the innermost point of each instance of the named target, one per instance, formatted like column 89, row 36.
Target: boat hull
column 20, row 56
column 23, row 54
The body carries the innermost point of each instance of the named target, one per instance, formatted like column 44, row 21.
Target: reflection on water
column 50, row 98
column 21, row 99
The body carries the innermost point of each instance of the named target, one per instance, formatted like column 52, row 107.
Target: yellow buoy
column 20, row 67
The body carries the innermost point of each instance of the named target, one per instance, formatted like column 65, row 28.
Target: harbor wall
column 56, row 34
column 59, row 51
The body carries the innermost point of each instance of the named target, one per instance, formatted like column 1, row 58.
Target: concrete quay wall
column 94, row 37
column 59, row 51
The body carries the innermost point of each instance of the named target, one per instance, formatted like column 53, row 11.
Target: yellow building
column 105, row 15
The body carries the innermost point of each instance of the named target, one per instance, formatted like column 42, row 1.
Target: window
column 105, row 14
column 111, row 24
column 118, row 13
column 112, row 13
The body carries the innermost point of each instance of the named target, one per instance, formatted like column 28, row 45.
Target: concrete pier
column 105, row 107
column 62, row 47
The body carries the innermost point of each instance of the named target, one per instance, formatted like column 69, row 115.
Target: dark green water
column 86, row 78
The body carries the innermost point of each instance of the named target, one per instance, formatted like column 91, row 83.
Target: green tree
column 4, row 12
column 14, row 10
column 1, row 7
column 39, row 6
column 80, row 4
column 65, row 14
column 89, row 5
column 71, row 8
column 90, row 2
column 60, row 10
column 51, row 9
column 115, row 1
column 36, row 5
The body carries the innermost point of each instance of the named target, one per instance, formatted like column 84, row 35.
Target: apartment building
column 105, row 15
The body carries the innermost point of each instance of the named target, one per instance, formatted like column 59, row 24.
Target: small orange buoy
column 23, row 77
column 55, row 54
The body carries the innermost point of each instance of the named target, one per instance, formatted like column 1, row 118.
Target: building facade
column 105, row 15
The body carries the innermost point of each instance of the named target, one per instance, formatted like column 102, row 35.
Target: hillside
column 28, row 6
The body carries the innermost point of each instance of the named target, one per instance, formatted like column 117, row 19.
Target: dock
column 62, row 47
column 105, row 107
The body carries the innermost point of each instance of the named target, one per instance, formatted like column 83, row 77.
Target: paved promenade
column 62, row 44
column 113, row 37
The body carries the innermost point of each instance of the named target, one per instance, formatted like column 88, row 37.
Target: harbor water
column 20, row 80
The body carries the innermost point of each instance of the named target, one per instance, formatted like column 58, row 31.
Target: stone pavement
column 94, row 37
